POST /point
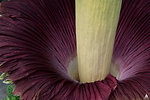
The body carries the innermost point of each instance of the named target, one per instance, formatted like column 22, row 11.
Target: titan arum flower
column 104, row 56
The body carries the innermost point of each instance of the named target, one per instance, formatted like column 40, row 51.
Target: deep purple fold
column 37, row 41
column 132, row 50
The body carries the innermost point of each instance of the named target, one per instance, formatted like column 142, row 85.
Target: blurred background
column 3, row 90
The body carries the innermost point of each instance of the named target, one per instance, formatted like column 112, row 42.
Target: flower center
column 73, row 69
column 96, row 24
column 73, row 72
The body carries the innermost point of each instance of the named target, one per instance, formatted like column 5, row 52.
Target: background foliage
column 10, row 96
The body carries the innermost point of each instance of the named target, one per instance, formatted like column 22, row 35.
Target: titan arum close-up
column 76, row 49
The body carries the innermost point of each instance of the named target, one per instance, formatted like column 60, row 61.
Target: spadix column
column 96, row 24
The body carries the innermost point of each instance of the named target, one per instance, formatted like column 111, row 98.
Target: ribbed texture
column 96, row 24
column 132, row 50
column 37, row 39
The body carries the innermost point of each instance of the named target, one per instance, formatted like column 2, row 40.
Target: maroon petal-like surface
column 37, row 40
column 132, row 51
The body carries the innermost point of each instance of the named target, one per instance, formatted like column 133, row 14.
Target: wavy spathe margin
column 37, row 39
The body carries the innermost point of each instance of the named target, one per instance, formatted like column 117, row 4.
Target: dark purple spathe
column 37, row 40
column 132, row 50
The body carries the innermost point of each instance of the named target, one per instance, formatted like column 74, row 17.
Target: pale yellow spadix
column 96, row 24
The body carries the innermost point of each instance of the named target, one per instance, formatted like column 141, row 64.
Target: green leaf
column 10, row 95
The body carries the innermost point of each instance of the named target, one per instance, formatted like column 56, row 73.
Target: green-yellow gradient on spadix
column 96, row 24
